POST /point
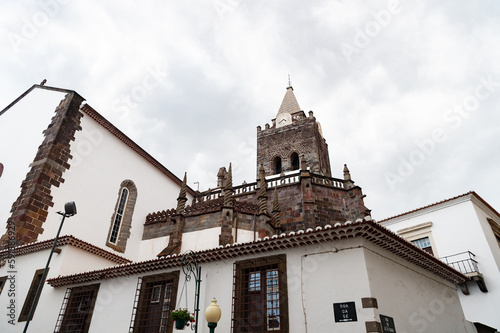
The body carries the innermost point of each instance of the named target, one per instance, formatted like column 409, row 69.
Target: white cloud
column 225, row 68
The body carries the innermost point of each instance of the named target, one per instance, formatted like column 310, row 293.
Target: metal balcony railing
column 463, row 262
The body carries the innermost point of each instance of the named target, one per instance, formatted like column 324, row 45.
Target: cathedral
column 295, row 251
column 294, row 189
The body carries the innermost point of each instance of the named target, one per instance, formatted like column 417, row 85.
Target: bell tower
column 292, row 139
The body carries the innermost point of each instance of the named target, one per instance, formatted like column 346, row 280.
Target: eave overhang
column 62, row 241
column 368, row 230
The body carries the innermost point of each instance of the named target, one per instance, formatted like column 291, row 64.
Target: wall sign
column 345, row 312
column 387, row 324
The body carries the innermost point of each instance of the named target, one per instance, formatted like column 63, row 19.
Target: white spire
column 289, row 104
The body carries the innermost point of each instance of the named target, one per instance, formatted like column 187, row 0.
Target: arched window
column 277, row 165
column 295, row 161
column 117, row 223
column 121, row 220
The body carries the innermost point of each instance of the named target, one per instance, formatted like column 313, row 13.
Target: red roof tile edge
column 65, row 240
column 88, row 110
column 367, row 229
column 441, row 202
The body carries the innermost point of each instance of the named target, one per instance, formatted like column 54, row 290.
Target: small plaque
column 344, row 312
column 387, row 324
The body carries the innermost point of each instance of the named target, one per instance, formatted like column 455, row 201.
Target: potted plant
column 182, row 318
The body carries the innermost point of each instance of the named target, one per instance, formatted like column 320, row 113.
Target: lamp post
column 69, row 210
column 212, row 315
column 190, row 266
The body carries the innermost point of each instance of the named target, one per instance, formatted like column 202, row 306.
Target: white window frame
column 419, row 231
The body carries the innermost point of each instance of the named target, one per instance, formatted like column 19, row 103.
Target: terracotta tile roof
column 366, row 229
column 485, row 203
column 62, row 241
column 425, row 207
column 88, row 110
column 471, row 193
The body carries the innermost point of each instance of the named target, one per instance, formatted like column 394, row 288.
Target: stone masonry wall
column 303, row 204
column 30, row 210
column 195, row 223
column 301, row 137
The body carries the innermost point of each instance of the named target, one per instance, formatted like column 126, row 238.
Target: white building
column 71, row 153
column 280, row 255
column 300, row 278
column 77, row 155
column 465, row 233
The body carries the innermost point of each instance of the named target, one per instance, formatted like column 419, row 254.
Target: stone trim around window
column 417, row 232
column 3, row 281
column 126, row 220
column 30, row 297
column 495, row 227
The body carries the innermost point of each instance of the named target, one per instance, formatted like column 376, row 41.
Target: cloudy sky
column 407, row 92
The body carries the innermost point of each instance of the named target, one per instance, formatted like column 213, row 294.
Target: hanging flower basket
column 182, row 318
column 180, row 324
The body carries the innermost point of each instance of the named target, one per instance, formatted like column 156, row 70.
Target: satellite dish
column 1, row 169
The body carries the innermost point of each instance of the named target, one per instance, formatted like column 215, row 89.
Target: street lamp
column 69, row 210
column 212, row 315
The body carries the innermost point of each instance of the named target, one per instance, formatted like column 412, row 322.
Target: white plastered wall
column 324, row 275
column 418, row 300
column 244, row 236
column 479, row 306
column 317, row 276
column 152, row 247
column 100, row 163
column 459, row 226
column 200, row 240
column 450, row 226
column 71, row 260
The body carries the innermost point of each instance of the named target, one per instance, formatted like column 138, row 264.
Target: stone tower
column 292, row 139
column 294, row 189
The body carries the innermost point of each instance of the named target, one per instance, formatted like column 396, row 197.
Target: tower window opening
column 277, row 165
column 295, row 161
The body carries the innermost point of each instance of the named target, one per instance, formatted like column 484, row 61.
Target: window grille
column 260, row 302
column 77, row 309
column 154, row 300
column 136, row 301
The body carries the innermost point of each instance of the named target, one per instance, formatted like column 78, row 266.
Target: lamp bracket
column 190, row 267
